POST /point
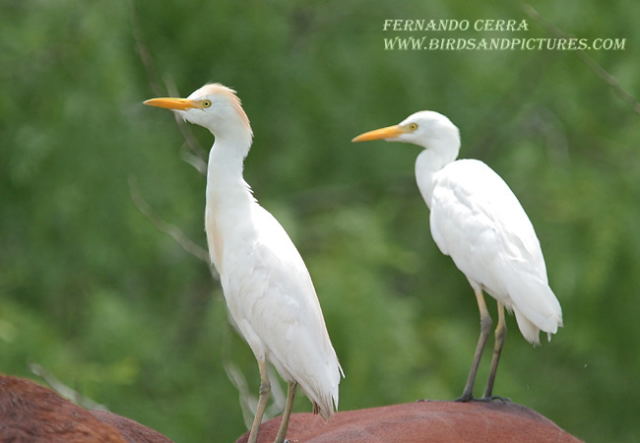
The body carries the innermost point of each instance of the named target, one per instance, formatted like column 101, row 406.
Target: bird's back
column 478, row 221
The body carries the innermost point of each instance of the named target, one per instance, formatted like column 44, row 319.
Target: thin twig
column 143, row 53
column 195, row 161
column 248, row 402
column 586, row 59
column 64, row 390
column 171, row 230
column 193, row 153
column 278, row 395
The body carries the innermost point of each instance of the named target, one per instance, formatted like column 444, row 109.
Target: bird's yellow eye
column 206, row 103
column 413, row 126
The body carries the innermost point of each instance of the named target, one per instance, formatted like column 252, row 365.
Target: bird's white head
column 213, row 106
column 428, row 129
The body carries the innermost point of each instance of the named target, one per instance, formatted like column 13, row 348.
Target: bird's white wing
column 275, row 300
column 471, row 197
column 478, row 221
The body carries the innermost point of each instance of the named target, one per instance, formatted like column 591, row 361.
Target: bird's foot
column 495, row 398
column 465, row 397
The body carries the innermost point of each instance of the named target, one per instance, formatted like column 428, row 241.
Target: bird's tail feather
column 529, row 331
column 323, row 388
column 324, row 405
column 535, row 305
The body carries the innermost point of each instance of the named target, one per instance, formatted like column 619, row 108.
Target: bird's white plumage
column 268, row 290
column 266, row 284
column 273, row 303
column 477, row 220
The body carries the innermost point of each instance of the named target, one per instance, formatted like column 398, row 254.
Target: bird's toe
column 465, row 398
column 495, row 398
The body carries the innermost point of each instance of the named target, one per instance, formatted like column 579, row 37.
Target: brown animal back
column 30, row 413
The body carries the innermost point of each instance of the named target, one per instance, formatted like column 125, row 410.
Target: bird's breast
column 229, row 228
column 215, row 239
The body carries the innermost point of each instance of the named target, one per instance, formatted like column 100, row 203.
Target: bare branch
column 172, row 231
column 278, row 395
column 195, row 161
column 586, row 59
column 64, row 390
column 144, row 54
column 248, row 402
column 193, row 154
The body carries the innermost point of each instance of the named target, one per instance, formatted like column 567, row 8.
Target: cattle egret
column 268, row 290
column 477, row 220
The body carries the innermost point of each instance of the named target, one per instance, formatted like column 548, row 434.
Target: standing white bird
column 266, row 284
column 478, row 221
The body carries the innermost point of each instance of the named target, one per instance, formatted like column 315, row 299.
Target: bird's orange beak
column 382, row 133
column 181, row 104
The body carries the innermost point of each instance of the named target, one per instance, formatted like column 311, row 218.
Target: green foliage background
column 116, row 309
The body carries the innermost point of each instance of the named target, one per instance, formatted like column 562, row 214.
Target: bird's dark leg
column 501, row 330
column 485, row 329
column 284, row 423
column 265, row 389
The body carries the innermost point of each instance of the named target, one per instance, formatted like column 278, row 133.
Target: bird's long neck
column 431, row 161
column 225, row 182
column 230, row 203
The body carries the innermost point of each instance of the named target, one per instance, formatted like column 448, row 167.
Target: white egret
column 268, row 290
column 477, row 220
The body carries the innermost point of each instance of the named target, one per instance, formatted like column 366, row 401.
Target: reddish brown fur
column 437, row 422
column 132, row 431
column 32, row 413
